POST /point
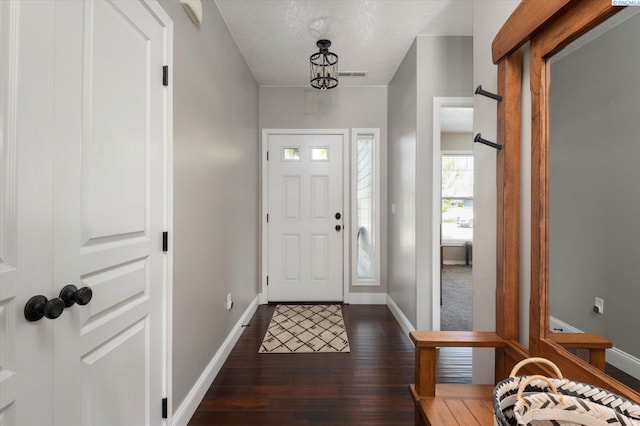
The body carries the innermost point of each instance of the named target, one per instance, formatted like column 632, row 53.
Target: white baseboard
column 558, row 326
column 454, row 262
column 614, row 356
column 188, row 407
column 624, row 361
column 400, row 317
column 368, row 298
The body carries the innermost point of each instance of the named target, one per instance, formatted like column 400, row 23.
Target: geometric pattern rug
column 306, row 329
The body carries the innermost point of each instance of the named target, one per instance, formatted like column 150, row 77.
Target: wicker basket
column 537, row 395
column 552, row 408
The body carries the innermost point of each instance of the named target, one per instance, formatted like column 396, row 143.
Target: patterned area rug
column 306, row 329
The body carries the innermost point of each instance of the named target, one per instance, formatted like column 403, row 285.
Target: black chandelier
column 324, row 67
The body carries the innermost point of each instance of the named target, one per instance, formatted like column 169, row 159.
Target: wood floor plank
column 234, row 403
column 367, row 386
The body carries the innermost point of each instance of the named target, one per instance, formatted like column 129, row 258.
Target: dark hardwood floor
column 622, row 377
column 368, row 386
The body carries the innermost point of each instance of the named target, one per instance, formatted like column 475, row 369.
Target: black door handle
column 338, row 216
column 338, row 228
column 70, row 294
column 38, row 307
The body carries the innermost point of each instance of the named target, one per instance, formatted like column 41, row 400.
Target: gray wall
column 445, row 67
column 488, row 17
column 433, row 66
column 343, row 107
column 401, row 186
column 460, row 142
column 594, row 204
column 215, row 190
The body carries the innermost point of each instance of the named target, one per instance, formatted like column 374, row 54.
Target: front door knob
column 338, row 216
column 38, row 307
column 338, row 227
column 70, row 295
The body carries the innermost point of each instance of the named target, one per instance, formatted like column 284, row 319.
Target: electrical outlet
column 229, row 302
column 598, row 306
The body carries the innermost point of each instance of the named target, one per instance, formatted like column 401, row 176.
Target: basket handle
column 532, row 360
column 530, row 379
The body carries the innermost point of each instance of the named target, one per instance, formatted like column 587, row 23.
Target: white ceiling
column 276, row 37
column 456, row 119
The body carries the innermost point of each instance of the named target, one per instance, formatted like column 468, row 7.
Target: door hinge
column 165, row 409
column 267, row 280
column 267, row 217
column 267, row 155
column 165, row 75
column 165, row 241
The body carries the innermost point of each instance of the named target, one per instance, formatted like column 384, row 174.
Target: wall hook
column 479, row 91
column 478, row 138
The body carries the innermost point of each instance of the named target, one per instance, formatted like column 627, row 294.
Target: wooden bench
column 461, row 404
column 450, row 404
column 594, row 343
column 454, row 404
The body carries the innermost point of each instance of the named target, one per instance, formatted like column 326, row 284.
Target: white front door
column 91, row 115
column 306, row 217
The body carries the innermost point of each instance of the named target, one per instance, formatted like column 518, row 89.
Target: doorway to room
column 453, row 213
column 456, row 240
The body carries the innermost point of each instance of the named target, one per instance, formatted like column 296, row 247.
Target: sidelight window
column 366, row 207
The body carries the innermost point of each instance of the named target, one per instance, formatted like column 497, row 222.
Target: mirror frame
column 549, row 26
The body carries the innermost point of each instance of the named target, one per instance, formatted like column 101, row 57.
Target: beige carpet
column 306, row 329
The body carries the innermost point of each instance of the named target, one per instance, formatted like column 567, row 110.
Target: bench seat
column 457, row 404
column 444, row 403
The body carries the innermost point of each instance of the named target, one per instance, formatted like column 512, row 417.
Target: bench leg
column 425, row 371
column 597, row 358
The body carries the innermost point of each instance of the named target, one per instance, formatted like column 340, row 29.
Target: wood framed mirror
column 549, row 26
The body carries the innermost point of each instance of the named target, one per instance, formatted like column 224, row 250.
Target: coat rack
column 479, row 91
column 479, row 138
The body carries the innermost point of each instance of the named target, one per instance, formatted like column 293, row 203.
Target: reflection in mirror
column 594, row 189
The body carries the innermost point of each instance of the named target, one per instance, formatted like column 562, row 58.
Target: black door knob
column 338, row 216
column 338, row 227
column 70, row 294
column 38, row 307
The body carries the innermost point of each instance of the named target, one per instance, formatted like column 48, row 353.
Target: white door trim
column 167, row 320
column 438, row 102
column 264, row 269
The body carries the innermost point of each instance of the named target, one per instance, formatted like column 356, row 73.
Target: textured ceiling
column 276, row 37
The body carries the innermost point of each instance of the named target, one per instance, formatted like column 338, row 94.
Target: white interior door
column 91, row 208
column 305, row 192
column 109, row 212
column 26, row 258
